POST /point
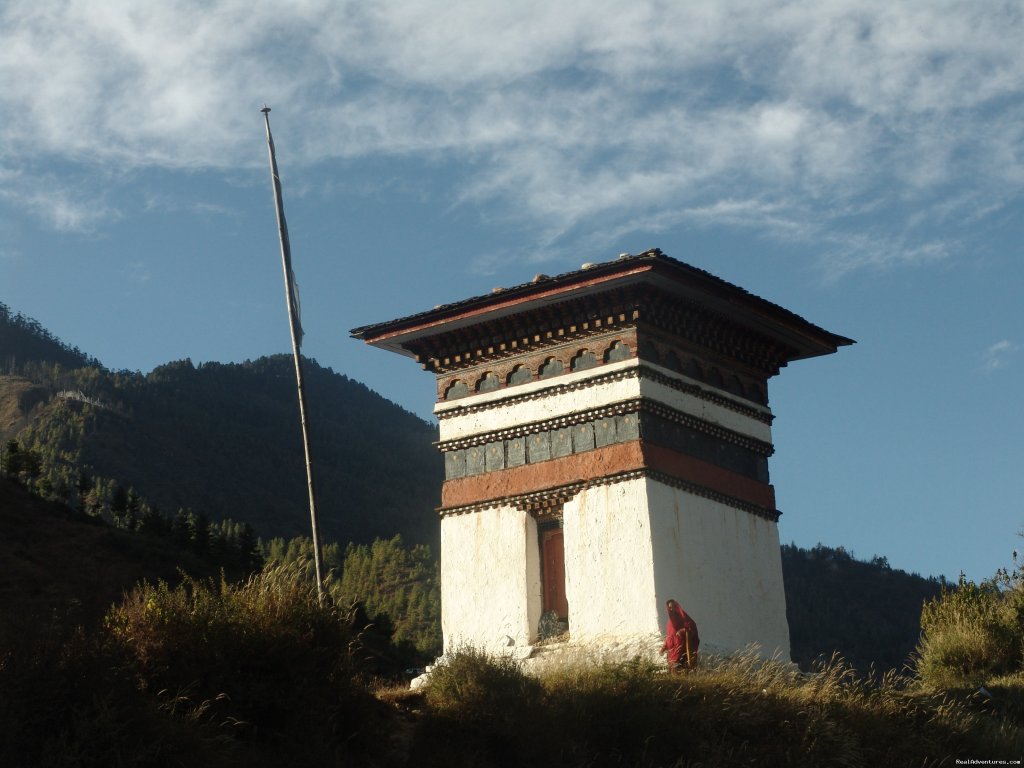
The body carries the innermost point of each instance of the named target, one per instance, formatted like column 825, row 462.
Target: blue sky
column 860, row 163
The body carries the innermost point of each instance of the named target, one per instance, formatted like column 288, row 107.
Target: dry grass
column 973, row 634
column 258, row 673
column 729, row 711
column 202, row 673
column 18, row 396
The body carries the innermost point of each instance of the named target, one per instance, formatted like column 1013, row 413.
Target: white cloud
column 139, row 272
column 846, row 252
column 571, row 116
column 64, row 206
column 998, row 355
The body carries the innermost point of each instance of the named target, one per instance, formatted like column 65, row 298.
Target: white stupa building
column 606, row 436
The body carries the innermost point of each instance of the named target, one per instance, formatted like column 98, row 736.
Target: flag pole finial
column 265, row 109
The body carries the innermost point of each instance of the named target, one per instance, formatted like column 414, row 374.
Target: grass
column 729, row 711
column 259, row 673
column 973, row 634
column 204, row 673
column 262, row 658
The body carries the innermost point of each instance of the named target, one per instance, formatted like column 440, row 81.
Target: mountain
column 223, row 440
column 867, row 611
column 23, row 341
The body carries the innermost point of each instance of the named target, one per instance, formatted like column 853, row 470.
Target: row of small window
column 708, row 374
column 583, row 360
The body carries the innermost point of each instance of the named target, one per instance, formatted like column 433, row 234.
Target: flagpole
column 296, row 331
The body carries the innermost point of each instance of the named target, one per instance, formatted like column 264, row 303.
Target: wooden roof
column 683, row 282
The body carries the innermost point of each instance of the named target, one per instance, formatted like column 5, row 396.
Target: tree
column 84, row 485
column 248, row 549
column 21, row 465
column 119, row 501
column 397, row 585
column 183, row 527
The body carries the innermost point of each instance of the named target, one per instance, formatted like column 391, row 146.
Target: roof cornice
column 687, row 284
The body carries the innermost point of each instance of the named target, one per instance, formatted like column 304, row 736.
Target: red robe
column 679, row 626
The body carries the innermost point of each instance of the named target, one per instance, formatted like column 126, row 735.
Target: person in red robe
column 681, row 639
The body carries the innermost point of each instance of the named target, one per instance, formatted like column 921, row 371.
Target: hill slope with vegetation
column 55, row 561
column 222, row 440
column 867, row 611
column 254, row 671
column 24, row 341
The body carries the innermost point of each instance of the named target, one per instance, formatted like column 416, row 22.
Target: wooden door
column 553, row 567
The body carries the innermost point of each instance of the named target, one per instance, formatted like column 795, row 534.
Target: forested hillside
column 24, row 341
column 867, row 611
column 225, row 440
column 220, row 440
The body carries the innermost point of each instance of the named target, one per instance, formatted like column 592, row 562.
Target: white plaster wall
column 724, row 566
column 609, row 579
column 712, row 412
column 631, row 546
column 490, row 579
column 551, row 404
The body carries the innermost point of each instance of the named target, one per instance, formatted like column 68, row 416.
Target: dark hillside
column 220, row 439
column 24, row 341
column 54, row 561
column 224, row 440
column 868, row 611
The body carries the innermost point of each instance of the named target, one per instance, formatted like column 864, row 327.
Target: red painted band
column 602, row 462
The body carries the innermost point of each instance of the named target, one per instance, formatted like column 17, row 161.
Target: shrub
column 65, row 700
column 261, row 659
column 972, row 633
column 619, row 713
column 482, row 711
column 471, row 684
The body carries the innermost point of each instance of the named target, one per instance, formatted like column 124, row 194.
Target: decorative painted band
column 639, row 420
column 543, row 425
column 608, row 461
column 634, row 405
column 552, row 500
column 642, row 370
